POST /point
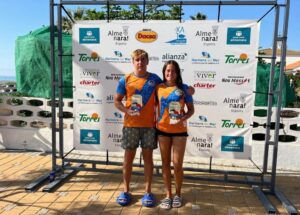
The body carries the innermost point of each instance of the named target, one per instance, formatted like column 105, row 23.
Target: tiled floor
column 95, row 193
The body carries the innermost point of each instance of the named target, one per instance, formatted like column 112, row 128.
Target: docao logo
column 146, row 36
column 231, row 59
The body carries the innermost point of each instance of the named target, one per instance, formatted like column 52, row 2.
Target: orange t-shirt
column 166, row 95
column 130, row 85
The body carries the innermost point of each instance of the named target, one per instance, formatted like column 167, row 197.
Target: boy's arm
column 120, row 106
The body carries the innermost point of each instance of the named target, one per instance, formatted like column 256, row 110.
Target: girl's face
column 170, row 73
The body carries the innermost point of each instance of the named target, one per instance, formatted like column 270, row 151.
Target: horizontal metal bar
column 266, row 57
column 37, row 183
column 237, row 3
column 286, row 204
column 266, row 202
column 159, row 166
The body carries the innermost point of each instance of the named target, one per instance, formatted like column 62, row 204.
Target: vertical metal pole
column 180, row 11
column 219, row 11
column 281, row 82
column 53, row 82
column 144, row 10
column 60, row 82
column 210, row 162
column 107, row 10
column 271, row 90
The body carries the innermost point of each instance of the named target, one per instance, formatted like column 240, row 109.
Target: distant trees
column 132, row 12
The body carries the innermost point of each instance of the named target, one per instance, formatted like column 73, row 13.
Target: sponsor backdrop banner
column 216, row 58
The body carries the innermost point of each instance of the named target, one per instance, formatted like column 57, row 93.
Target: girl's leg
column 165, row 145
column 178, row 144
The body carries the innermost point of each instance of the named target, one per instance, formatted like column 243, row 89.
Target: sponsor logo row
column 208, row 37
column 228, row 143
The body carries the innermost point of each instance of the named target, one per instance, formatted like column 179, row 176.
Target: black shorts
column 162, row 133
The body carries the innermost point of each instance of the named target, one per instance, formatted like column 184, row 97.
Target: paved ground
column 95, row 193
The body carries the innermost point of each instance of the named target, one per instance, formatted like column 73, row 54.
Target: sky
column 19, row 17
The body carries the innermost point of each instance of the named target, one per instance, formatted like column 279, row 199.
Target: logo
column 205, row 103
column 146, row 36
column 204, row 85
column 238, row 36
column 203, row 144
column 89, row 35
column 120, row 37
column 89, row 136
column 86, row 118
column 153, row 58
column 236, row 104
column 116, row 118
column 204, row 75
column 178, row 92
column 118, row 58
column 202, row 122
column 180, row 37
column 114, row 77
column 89, row 83
column 209, row 38
column 178, row 57
column 232, row 144
column 90, row 73
column 151, row 83
column 237, row 80
column 94, row 57
column 89, row 99
column 231, row 59
column 205, row 58
column 239, row 123
column 110, row 99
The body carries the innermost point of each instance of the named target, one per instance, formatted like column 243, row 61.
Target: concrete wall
column 25, row 123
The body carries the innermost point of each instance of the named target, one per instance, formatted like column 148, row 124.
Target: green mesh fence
column 32, row 56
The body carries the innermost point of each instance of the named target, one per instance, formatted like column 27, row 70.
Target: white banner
column 217, row 58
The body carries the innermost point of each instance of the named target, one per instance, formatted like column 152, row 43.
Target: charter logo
column 205, row 58
column 232, row 59
column 92, row 118
column 204, row 75
column 120, row 37
column 89, row 83
column 237, row 80
column 204, row 85
column 236, row 104
column 89, row 136
column 238, row 36
column 232, row 144
column 180, row 37
column 209, row 38
column 146, row 36
column 94, row 57
column 227, row 123
column 179, row 57
column 203, row 144
column 89, row 35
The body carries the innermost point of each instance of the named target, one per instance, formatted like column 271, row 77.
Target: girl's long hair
column 177, row 70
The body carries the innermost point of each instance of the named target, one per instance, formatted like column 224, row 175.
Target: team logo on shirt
column 178, row 92
column 151, row 83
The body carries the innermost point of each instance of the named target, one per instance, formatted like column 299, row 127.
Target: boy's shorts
column 133, row 137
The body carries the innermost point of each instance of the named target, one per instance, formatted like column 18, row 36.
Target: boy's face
column 140, row 63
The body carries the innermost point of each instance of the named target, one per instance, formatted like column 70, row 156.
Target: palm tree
column 198, row 16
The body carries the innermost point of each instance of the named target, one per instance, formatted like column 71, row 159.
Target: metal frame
column 261, row 187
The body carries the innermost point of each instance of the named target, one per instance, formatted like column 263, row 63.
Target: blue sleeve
column 157, row 79
column 187, row 97
column 121, row 89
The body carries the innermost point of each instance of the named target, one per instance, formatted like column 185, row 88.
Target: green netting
column 32, row 56
column 34, row 76
column 262, row 86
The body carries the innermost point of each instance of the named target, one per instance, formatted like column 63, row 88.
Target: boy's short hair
column 139, row 53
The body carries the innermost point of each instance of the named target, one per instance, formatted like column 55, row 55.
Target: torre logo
column 93, row 57
column 86, row 118
column 232, row 59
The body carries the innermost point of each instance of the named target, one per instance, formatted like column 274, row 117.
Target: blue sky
column 19, row 17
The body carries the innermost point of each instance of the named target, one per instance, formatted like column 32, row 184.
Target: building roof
column 293, row 65
column 290, row 53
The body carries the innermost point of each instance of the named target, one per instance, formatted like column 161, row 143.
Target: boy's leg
column 127, row 168
column 148, row 168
